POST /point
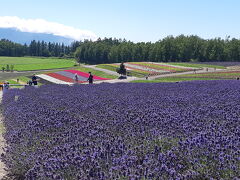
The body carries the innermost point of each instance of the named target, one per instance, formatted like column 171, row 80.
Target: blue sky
column 135, row 20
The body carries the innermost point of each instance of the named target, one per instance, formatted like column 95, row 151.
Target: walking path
column 2, row 142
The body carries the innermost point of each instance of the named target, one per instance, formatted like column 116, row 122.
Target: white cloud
column 43, row 26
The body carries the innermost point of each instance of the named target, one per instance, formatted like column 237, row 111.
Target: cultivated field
column 143, row 69
column 187, row 130
column 35, row 63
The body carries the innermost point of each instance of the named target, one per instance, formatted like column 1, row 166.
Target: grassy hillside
column 35, row 63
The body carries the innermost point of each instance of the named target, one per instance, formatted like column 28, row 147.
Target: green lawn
column 13, row 82
column 111, row 67
column 35, row 63
column 23, row 79
column 97, row 73
column 197, row 65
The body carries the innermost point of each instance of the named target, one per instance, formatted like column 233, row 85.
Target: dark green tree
column 7, row 68
column 122, row 70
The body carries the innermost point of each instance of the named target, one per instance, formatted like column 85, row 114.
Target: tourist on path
column 34, row 80
column 75, row 78
column 5, row 86
column 90, row 78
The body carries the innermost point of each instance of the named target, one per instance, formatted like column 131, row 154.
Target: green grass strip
column 197, row 65
column 111, row 67
column 96, row 72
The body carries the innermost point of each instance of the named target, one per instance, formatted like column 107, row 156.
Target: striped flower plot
column 68, row 77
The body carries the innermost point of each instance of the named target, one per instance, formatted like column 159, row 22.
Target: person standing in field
column 5, row 86
column 76, row 78
column 90, row 78
column 34, row 80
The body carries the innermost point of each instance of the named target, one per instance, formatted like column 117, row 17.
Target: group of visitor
column 90, row 78
column 34, row 81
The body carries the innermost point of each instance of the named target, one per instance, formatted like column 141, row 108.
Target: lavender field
column 187, row 130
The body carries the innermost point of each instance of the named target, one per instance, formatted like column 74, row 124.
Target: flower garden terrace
column 186, row 130
column 143, row 69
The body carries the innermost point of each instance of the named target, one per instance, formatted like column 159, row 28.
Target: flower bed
column 187, row 130
column 68, row 76
column 83, row 74
column 158, row 66
column 71, row 75
column 153, row 66
column 138, row 70
column 60, row 77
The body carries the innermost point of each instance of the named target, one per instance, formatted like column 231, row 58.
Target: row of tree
column 37, row 48
column 175, row 49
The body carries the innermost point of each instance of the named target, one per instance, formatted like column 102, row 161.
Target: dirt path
column 2, row 142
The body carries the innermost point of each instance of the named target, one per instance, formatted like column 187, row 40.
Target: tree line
column 37, row 48
column 170, row 49
column 111, row 50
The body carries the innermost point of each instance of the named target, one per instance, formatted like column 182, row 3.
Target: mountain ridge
column 17, row 36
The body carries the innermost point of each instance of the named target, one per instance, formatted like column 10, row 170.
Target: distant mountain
column 26, row 37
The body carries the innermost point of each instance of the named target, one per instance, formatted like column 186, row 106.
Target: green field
column 97, row 73
column 22, row 80
column 35, row 63
column 111, row 67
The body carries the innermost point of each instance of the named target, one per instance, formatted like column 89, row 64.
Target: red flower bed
column 83, row 74
column 63, row 78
